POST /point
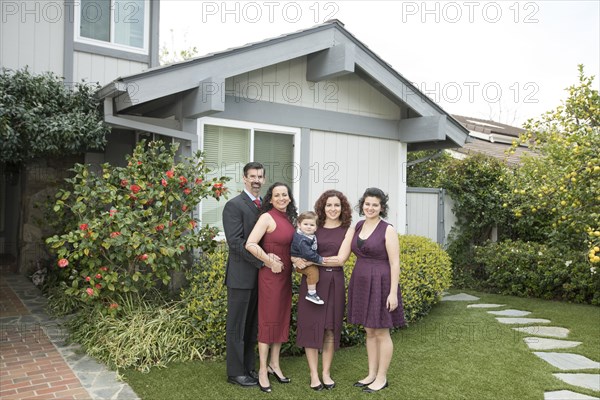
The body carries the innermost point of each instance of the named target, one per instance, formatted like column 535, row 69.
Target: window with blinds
column 227, row 150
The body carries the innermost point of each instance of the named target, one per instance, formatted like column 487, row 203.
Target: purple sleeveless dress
column 314, row 319
column 370, row 283
column 275, row 290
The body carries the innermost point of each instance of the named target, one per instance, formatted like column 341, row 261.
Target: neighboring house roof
column 332, row 51
column 491, row 138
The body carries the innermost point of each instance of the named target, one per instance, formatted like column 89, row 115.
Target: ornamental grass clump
column 126, row 229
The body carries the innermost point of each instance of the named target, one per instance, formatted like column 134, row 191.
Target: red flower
column 182, row 247
column 112, row 212
column 182, row 181
column 163, row 182
column 198, row 181
column 218, row 185
column 104, row 269
column 217, row 193
column 124, row 182
column 184, row 207
column 63, row 262
column 187, row 191
column 115, row 234
column 98, row 276
column 139, row 163
column 144, row 257
column 170, row 173
column 90, row 291
column 160, row 227
column 135, row 188
column 113, row 306
column 83, row 227
column 98, row 286
column 192, row 224
column 87, row 278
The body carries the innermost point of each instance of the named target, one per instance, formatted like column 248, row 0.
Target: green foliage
column 140, row 334
column 425, row 273
column 128, row 228
column 478, row 185
column 556, row 197
column 532, row 269
column 428, row 173
column 41, row 117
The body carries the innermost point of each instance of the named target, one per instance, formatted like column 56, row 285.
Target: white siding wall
column 32, row 34
column 103, row 69
column 350, row 164
column 286, row 83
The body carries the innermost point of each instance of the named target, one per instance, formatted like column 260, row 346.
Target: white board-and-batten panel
column 32, row 36
column 103, row 69
column 422, row 214
column 286, row 83
column 351, row 164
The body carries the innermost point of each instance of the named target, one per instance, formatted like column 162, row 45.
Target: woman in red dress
column 270, row 241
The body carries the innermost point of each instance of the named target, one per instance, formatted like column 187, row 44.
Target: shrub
column 129, row 228
column 425, row 273
column 532, row 269
column 143, row 332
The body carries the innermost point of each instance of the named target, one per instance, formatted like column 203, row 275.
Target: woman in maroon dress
column 320, row 326
column 275, row 231
column 374, row 298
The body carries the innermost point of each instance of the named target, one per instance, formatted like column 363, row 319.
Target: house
column 491, row 138
column 316, row 106
column 84, row 40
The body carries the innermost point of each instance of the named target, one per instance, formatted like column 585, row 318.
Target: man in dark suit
column 239, row 217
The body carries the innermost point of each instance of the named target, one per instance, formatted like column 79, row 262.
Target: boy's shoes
column 314, row 298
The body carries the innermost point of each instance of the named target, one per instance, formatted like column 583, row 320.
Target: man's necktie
column 257, row 202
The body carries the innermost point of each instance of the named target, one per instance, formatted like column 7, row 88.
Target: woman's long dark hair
column 346, row 213
column 291, row 210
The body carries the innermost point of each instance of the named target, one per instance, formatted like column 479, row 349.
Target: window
column 121, row 24
column 228, row 148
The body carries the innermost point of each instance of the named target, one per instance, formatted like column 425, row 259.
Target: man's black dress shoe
column 242, row 380
column 360, row 384
column 369, row 390
column 253, row 374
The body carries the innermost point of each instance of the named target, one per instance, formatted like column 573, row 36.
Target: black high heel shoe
column 329, row 386
column 362, row 385
column 369, row 390
column 280, row 379
column 317, row 388
column 266, row 389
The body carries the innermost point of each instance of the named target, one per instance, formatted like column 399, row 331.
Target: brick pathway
column 30, row 365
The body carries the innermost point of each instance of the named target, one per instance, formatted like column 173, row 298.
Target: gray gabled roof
column 329, row 38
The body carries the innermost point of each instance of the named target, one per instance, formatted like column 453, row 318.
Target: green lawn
column 454, row 353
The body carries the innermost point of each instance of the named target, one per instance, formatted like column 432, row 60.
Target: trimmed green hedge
column 425, row 271
column 531, row 269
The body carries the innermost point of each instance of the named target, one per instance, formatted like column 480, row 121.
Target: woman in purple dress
column 320, row 326
column 270, row 242
column 374, row 298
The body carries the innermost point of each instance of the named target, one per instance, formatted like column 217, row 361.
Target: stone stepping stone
column 444, row 293
column 567, row 395
column 510, row 313
column 588, row 381
column 536, row 343
column 568, row 361
column 523, row 320
column 552, row 331
column 460, row 297
column 485, row 305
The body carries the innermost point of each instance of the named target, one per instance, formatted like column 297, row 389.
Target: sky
column 507, row 61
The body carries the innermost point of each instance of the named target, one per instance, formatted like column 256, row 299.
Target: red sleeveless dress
column 275, row 290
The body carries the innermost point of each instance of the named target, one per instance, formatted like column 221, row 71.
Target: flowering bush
column 128, row 227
